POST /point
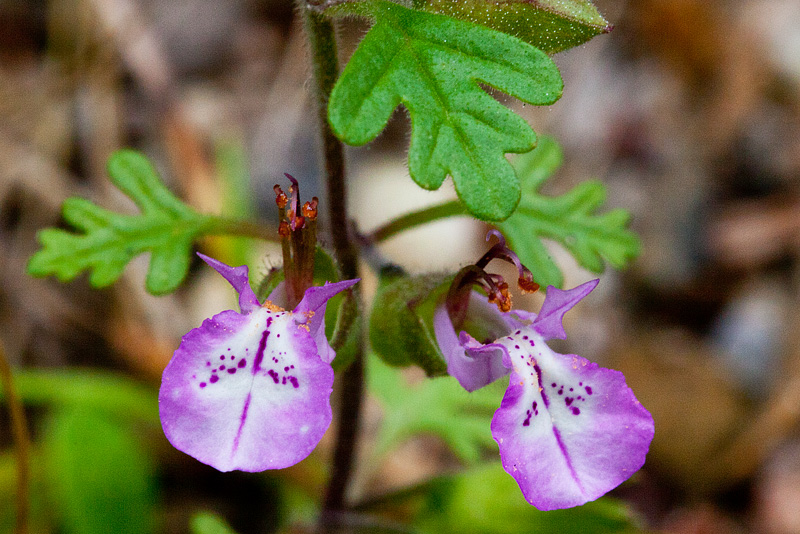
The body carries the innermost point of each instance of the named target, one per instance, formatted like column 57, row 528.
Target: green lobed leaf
column 401, row 323
column 439, row 406
column 551, row 25
column 569, row 219
column 208, row 523
column 166, row 228
column 433, row 65
column 487, row 500
column 99, row 391
column 99, row 477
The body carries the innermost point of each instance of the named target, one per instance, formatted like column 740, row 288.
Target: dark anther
column 497, row 289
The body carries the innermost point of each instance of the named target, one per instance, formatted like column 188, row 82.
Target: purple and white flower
column 568, row 430
column 251, row 390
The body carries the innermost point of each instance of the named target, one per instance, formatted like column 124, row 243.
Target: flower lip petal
column 238, row 278
column 557, row 302
column 569, row 430
column 246, row 392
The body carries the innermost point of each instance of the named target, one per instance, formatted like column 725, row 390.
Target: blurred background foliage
column 688, row 112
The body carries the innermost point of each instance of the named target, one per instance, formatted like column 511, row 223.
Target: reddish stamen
column 280, row 197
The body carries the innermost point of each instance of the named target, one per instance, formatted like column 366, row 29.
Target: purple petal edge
column 238, row 278
column 557, row 302
column 311, row 312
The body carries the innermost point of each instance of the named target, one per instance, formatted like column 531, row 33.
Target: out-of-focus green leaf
column 438, row 406
column 39, row 515
column 238, row 200
column 569, row 219
column 208, row 523
column 434, row 65
column 99, row 477
column 401, row 324
column 166, row 228
column 551, row 25
column 88, row 389
column 487, row 500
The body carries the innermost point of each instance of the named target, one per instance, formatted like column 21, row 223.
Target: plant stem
column 351, row 381
column 19, row 429
column 417, row 218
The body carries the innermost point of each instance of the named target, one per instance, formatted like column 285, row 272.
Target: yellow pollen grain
column 272, row 307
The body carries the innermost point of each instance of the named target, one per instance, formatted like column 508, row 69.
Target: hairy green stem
column 416, row 218
column 325, row 63
column 19, row 430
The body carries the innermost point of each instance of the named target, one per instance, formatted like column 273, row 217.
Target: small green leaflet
column 568, row 219
column 209, row 523
column 438, row 406
column 165, row 228
column 434, row 65
column 552, row 25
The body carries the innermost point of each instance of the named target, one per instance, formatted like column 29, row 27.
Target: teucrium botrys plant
column 250, row 389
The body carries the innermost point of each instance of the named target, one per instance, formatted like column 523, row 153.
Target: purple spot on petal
column 241, row 363
column 274, row 375
column 516, row 346
column 576, row 410
column 221, row 356
column 568, row 400
column 202, row 384
column 208, row 364
column 294, row 382
column 221, row 367
column 553, row 385
column 570, row 389
column 232, row 371
column 262, row 344
column 213, row 379
column 588, row 390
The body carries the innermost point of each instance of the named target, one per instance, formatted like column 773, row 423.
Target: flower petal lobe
column 238, row 278
column 247, row 392
column 568, row 430
column 558, row 302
